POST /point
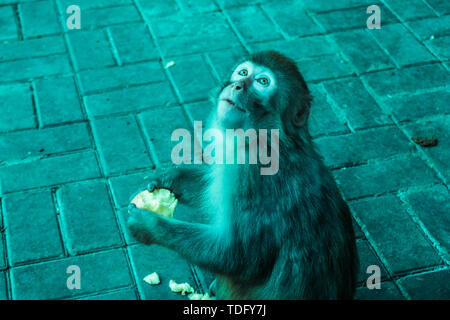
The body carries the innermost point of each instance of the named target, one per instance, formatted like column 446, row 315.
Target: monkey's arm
column 186, row 182
column 200, row 244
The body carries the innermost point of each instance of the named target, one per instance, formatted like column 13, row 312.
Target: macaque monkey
column 287, row 235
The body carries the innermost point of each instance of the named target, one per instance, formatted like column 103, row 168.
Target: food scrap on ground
column 152, row 279
column 182, row 288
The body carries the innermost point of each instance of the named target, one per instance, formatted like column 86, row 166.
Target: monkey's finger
column 152, row 185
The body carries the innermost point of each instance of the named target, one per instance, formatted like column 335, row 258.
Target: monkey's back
column 317, row 256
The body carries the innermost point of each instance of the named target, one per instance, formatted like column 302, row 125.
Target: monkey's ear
column 300, row 117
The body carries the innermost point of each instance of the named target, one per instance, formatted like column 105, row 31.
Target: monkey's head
column 265, row 91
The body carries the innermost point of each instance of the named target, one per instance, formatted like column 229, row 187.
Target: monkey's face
column 246, row 95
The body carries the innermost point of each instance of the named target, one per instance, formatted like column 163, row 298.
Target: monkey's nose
column 239, row 86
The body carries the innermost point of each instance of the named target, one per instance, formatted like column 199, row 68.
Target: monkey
column 282, row 236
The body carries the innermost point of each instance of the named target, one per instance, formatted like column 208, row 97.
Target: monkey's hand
column 141, row 224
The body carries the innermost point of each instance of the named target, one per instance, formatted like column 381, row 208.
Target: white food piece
column 152, row 279
column 160, row 201
column 199, row 296
column 182, row 288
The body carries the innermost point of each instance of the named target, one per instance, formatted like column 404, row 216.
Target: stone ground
column 86, row 117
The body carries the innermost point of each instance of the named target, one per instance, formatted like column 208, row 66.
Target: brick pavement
column 86, row 117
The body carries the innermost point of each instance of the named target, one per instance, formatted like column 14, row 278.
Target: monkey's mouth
column 233, row 104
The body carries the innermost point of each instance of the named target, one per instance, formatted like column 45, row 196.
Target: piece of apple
column 160, row 201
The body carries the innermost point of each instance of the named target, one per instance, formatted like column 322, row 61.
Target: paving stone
column 258, row 28
column 384, row 176
column 432, row 207
column 192, row 78
column 153, row 258
column 439, row 46
column 34, row 68
column 121, row 145
column 49, row 171
column 91, row 49
column 48, row 280
column 299, row 48
column 356, row 103
column 407, row 80
column 160, row 132
column 403, row 245
column 410, row 10
column 3, row 287
column 200, row 111
column 352, row 18
column 368, row 258
column 189, row 34
column 124, row 294
column 22, row 49
column 198, row 5
column 322, row 119
column 439, row 129
column 89, row 4
column 17, row 107
column 57, row 106
column 442, row 7
column 21, row 145
column 362, row 50
column 224, row 61
column 324, row 5
column 133, row 43
column 429, row 286
column 388, row 291
column 403, row 48
column 130, row 99
column 8, row 23
column 89, row 222
column 189, row 26
column 358, row 147
column 32, row 231
column 158, row 8
column 38, row 18
column 324, row 67
column 116, row 77
column 432, row 27
column 124, row 186
column 237, row 3
column 293, row 20
column 103, row 17
column 413, row 107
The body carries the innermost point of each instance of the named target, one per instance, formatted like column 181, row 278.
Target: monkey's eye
column 243, row 72
column 263, row 81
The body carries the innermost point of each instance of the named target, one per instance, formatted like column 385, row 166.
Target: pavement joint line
column 392, row 192
column 35, row 103
column 121, row 88
column 113, row 46
column 107, row 291
column 57, row 208
column 162, row 59
column 378, row 253
column 423, row 155
column 411, row 31
column 18, row 21
column 428, row 235
column 278, row 29
column 149, row 147
column 233, row 26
